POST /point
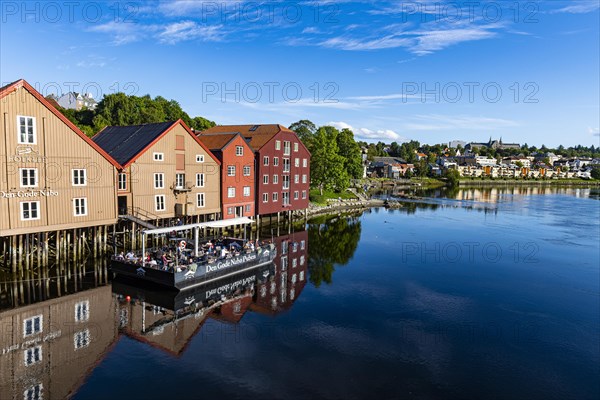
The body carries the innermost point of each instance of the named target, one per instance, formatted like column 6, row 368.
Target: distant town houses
column 492, row 144
column 389, row 167
column 75, row 101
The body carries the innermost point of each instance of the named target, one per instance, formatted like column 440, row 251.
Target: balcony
column 186, row 187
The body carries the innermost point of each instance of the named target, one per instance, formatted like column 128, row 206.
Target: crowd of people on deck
column 181, row 257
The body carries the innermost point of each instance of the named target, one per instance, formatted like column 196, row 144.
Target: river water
column 476, row 293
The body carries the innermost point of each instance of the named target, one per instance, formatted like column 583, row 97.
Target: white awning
column 213, row 224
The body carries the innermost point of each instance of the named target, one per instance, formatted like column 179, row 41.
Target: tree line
column 119, row 109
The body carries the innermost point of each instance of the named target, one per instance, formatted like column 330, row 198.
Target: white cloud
column 579, row 7
column 594, row 131
column 436, row 122
column 189, row 30
column 340, row 125
column 381, row 134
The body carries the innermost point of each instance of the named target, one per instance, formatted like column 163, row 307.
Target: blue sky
column 429, row 70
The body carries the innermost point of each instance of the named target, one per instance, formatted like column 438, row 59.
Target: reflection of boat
column 199, row 295
column 199, row 268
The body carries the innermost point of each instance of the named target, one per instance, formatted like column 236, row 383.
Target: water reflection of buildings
column 54, row 334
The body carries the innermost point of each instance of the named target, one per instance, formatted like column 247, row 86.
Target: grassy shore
column 322, row 199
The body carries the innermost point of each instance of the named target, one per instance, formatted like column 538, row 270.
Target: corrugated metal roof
column 124, row 142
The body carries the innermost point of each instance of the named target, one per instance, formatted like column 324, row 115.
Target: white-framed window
column 304, row 163
column 159, row 202
column 32, row 355
column 79, row 177
column 122, row 181
column 296, row 178
column 304, row 194
column 30, row 210
column 230, row 192
column 200, row 200
column 229, row 210
column 34, row 392
column 294, row 247
column 286, row 148
column 294, row 262
column 29, row 177
column 33, row 325
column 275, row 196
column 295, row 147
column 302, row 245
column 275, row 179
column 296, row 195
column 158, row 156
column 276, row 161
column 265, row 179
column 231, row 170
column 246, row 191
column 179, row 181
column 286, row 165
column 286, row 182
column 248, row 207
column 303, row 178
column 265, row 160
column 26, row 130
column 246, row 170
column 265, row 197
column 278, row 145
column 296, row 162
column 301, row 260
column 239, row 150
column 285, row 198
column 159, row 180
column 200, row 179
column 82, row 311
column 199, row 158
column 81, row 339
column 80, row 206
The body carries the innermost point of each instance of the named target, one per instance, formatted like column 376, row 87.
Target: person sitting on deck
column 224, row 252
column 120, row 257
column 130, row 256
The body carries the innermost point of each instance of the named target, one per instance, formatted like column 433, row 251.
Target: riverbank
column 532, row 182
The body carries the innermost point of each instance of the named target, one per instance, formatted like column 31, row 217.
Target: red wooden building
column 282, row 166
column 237, row 172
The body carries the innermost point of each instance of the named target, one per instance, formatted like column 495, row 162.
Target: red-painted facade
column 237, row 173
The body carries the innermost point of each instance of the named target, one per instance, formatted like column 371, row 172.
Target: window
column 230, row 192
column 159, row 180
column 265, row 197
column 296, row 178
column 200, row 180
column 278, row 145
column 276, row 161
column 286, row 182
column 266, row 160
column 199, row 158
column 30, row 210
column 265, row 179
column 285, row 198
column 294, row 247
column 26, row 126
column 296, row 162
column 81, row 339
column 79, row 177
column 239, row 151
column 275, row 196
column 304, row 162
column 32, row 355
column 246, row 191
column 231, row 170
column 302, row 245
column 34, row 392
column 296, row 195
column 82, row 311
column 80, row 206
column 286, row 148
column 246, row 170
column 275, row 179
column 303, row 178
column 248, row 207
column 301, row 276
column 286, row 165
column 284, row 247
column 159, row 202
column 122, row 181
column 295, row 147
column 301, row 260
column 179, row 181
column 200, row 200
column 29, row 177
column 33, row 325
column 229, row 210
column 294, row 262
column 158, row 156
column 304, row 194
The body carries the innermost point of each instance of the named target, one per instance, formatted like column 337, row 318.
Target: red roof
column 21, row 83
column 258, row 135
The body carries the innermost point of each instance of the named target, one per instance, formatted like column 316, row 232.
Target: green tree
column 350, row 150
column 326, row 164
column 453, row 176
column 305, row 130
